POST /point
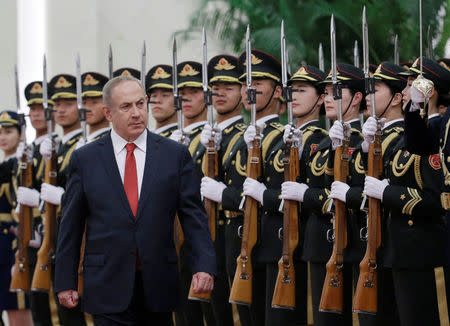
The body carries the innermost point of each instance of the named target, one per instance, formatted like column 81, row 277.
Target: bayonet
column 47, row 111
column 337, row 90
column 396, row 52
column 207, row 94
column 369, row 81
column 356, row 54
column 143, row 62
column 287, row 90
column 81, row 110
column 430, row 43
column 251, row 92
column 176, row 98
column 21, row 116
column 322, row 67
column 110, row 62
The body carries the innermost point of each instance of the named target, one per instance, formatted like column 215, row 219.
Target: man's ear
column 397, row 100
column 107, row 113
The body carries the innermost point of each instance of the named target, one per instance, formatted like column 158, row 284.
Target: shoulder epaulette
column 241, row 126
column 277, row 125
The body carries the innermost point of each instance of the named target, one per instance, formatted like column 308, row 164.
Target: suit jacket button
column 410, row 222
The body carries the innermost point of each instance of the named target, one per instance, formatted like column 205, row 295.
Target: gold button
column 228, row 222
column 448, row 159
column 268, row 179
column 221, row 222
column 410, row 223
column 229, row 181
column 233, row 162
column 307, row 180
column 353, row 161
column 271, row 162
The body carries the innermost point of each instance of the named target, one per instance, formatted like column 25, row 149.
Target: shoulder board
column 241, row 126
column 277, row 125
column 395, row 129
column 73, row 140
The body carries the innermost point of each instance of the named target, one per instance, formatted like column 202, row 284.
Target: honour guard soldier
column 66, row 115
column 415, row 234
column 39, row 301
column 92, row 91
column 307, row 102
column 160, row 92
column 314, row 193
column 266, row 78
column 223, row 77
column 15, row 304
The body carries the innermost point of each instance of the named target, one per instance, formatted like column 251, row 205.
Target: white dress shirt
column 120, row 153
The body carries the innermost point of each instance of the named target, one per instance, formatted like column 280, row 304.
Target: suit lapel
column 150, row 170
column 110, row 164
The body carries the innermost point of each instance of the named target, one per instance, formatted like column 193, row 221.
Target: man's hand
column 68, row 298
column 201, row 282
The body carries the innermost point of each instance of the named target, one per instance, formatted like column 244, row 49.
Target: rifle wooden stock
column 212, row 170
column 20, row 280
column 332, row 299
column 366, row 294
column 43, row 270
column 284, row 293
column 241, row 290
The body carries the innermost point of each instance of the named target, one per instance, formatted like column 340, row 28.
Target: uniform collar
column 164, row 128
column 92, row 136
column 225, row 124
column 263, row 120
column 307, row 123
column 194, row 125
column 390, row 123
column 70, row 135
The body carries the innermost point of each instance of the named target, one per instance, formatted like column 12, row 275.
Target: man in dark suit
column 127, row 188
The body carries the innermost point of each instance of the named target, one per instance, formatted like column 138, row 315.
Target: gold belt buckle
column 445, row 200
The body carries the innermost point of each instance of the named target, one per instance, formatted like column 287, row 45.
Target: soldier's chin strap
column 170, row 116
column 387, row 107
column 268, row 102
column 310, row 110
column 234, row 107
column 348, row 106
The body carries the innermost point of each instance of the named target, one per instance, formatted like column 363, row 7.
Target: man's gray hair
column 112, row 83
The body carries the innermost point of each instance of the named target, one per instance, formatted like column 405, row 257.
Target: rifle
column 366, row 294
column 396, row 53
column 241, row 290
column 178, row 231
column 211, row 159
column 20, row 280
column 333, row 287
column 42, row 273
column 284, row 293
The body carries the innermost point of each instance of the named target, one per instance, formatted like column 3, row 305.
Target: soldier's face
column 94, row 107
column 66, row 112
column 304, row 98
column 266, row 87
column 9, row 139
column 128, row 111
column 383, row 96
column 331, row 105
column 406, row 96
column 162, row 104
column 37, row 117
column 193, row 103
column 228, row 97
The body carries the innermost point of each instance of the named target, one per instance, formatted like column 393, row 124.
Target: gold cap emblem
column 36, row 89
column 126, row 73
column 5, row 116
column 223, row 64
column 442, row 63
column 160, row 73
column 62, row 83
column 255, row 60
column 301, row 71
column 188, row 71
column 416, row 63
column 378, row 71
column 90, row 81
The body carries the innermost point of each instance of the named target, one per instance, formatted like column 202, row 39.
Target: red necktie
column 130, row 180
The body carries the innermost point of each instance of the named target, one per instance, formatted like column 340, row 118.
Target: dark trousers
column 137, row 313
column 415, row 293
column 318, row 273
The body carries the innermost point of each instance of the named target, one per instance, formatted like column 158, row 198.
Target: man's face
column 94, row 107
column 228, row 97
column 193, row 103
column 265, row 86
column 331, row 105
column 37, row 117
column 162, row 105
column 304, row 98
column 66, row 112
column 128, row 111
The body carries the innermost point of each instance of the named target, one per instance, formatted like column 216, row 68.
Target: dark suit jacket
column 95, row 195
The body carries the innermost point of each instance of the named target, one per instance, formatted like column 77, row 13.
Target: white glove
column 28, row 197
column 51, row 193
column 339, row 190
column 19, row 150
column 36, row 242
column 177, row 135
column 336, row 134
column 46, row 148
column 293, row 190
column 254, row 189
column 296, row 137
column 250, row 135
column 205, row 136
column 212, row 189
column 416, row 99
column 80, row 143
column 374, row 188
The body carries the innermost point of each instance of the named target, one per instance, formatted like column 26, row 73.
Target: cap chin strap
column 268, row 102
column 170, row 116
column 387, row 107
column 234, row 108
column 311, row 110
column 348, row 106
